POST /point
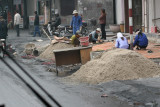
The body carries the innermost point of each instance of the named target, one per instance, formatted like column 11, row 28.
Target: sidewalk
column 153, row 46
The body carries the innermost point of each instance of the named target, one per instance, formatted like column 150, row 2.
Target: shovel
column 47, row 35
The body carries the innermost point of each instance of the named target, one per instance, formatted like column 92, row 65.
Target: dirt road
column 13, row 92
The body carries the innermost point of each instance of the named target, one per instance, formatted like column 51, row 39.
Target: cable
column 56, row 102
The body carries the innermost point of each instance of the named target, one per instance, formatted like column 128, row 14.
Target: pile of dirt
column 48, row 53
column 117, row 64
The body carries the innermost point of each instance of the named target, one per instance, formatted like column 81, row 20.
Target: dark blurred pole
column 114, row 11
column 12, row 11
column 50, row 9
column 25, row 14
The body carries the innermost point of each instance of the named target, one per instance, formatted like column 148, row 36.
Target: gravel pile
column 117, row 64
column 48, row 53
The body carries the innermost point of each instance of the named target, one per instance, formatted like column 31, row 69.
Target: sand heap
column 48, row 53
column 118, row 64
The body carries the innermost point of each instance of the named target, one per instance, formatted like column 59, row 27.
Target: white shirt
column 17, row 19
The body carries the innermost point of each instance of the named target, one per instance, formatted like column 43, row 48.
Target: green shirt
column 73, row 39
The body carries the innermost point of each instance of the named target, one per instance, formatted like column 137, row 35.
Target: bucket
column 153, row 29
column 84, row 41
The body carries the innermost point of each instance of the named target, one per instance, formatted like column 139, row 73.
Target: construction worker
column 76, row 22
column 75, row 39
column 94, row 36
column 121, row 41
column 141, row 40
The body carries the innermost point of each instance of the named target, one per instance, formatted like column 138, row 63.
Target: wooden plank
column 85, row 55
column 71, row 49
column 67, row 57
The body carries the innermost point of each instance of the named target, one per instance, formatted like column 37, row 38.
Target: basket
column 84, row 41
column 29, row 48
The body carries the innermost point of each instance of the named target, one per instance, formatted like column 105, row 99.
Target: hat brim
column 98, row 30
column 75, row 13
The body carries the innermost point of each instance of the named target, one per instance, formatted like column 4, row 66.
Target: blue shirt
column 76, row 21
column 121, row 43
column 141, row 40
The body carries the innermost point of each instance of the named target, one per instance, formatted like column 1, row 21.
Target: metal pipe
column 145, row 15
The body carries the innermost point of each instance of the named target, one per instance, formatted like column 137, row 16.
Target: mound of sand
column 48, row 53
column 118, row 64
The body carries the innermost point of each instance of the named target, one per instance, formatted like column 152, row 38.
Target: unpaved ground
column 68, row 94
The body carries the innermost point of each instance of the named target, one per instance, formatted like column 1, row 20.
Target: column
column 130, row 24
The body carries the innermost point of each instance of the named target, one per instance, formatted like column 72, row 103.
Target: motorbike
column 84, row 30
column 49, row 29
column 68, row 32
column 65, row 30
column 2, row 47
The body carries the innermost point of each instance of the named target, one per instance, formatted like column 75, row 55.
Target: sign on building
column 15, row 2
column 31, row 20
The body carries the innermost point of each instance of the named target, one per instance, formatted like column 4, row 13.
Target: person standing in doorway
column 102, row 21
column 17, row 19
column 36, row 25
column 76, row 22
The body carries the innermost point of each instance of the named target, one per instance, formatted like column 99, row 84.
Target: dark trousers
column 103, row 31
column 36, row 30
column 76, row 42
column 17, row 30
column 91, row 40
column 140, row 47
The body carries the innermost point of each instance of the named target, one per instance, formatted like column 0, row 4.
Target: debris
column 138, row 103
column 39, row 40
column 150, row 51
column 35, row 52
column 28, row 57
column 48, row 63
column 29, row 48
column 54, row 41
column 104, row 95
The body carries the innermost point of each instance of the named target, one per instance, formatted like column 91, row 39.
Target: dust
column 117, row 64
column 48, row 53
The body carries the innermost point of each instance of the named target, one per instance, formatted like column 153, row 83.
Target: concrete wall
column 89, row 9
column 157, row 12
column 92, row 9
column 31, row 7
column 153, row 13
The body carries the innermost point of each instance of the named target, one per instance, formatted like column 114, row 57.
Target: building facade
column 146, row 14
